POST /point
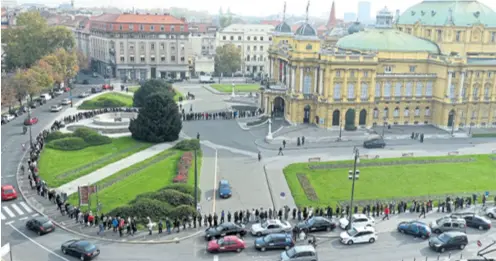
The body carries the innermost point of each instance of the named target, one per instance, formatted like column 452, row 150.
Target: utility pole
column 196, row 182
column 353, row 175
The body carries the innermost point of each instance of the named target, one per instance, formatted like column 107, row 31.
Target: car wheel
column 64, row 251
column 462, row 247
column 437, row 231
column 372, row 240
column 82, row 258
column 258, row 234
column 350, row 242
column 39, row 233
column 441, row 250
column 481, row 228
column 239, row 250
column 329, row 229
column 287, row 248
column 491, row 215
column 262, row 249
column 402, row 231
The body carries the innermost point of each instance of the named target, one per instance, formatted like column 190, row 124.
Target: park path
column 109, row 170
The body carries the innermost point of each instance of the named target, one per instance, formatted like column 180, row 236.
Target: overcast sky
column 251, row 7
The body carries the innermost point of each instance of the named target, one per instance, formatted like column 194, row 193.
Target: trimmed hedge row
column 81, row 138
column 188, row 145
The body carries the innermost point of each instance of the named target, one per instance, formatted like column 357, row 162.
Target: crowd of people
column 222, row 115
column 90, row 114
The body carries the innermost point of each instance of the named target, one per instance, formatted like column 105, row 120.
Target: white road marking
column 23, row 218
column 216, row 258
column 8, row 176
column 215, row 184
column 38, row 244
column 35, row 215
column 26, row 207
column 9, row 212
column 9, row 223
column 3, row 217
column 17, row 209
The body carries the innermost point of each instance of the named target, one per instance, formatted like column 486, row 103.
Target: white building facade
column 253, row 40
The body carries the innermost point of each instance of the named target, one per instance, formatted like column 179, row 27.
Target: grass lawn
column 107, row 100
column 149, row 179
column 238, row 87
column 133, row 88
column 394, row 181
column 54, row 163
column 177, row 95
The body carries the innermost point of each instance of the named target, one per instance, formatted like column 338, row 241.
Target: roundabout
column 108, row 123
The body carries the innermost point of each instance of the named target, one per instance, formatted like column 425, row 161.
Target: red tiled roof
column 270, row 22
column 138, row 19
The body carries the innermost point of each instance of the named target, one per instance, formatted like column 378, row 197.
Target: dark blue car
column 274, row 241
column 415, row 228
column 224, row 189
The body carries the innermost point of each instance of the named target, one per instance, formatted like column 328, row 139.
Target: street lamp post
column 30, row 131
column 196, row 181
column 384, row 126
column 353, row 176
column 340, row 129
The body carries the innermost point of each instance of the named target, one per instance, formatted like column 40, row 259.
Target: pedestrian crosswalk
column 14, row 210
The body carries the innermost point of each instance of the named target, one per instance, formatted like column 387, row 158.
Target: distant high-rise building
column 364, row 12
column 9, row 3
column 350, row 17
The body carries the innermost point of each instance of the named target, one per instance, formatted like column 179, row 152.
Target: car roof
column 361, row 229
column 224, row 182
column 360, row 216
column 280, row 235
column 233, row 238
column 455, row 233
column 304, row 248
column 42, row 219
column 83, row 243
column 7, row 187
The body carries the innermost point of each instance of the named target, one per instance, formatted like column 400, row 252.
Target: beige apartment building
column 139, row 46
column 254, row 41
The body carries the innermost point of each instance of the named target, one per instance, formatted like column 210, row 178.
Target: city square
column 156, row 154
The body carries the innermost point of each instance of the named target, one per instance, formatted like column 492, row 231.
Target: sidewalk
column 109, row 170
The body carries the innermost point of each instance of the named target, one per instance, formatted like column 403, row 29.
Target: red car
column 107, row 87
column 8, row 192
column 226, row 244
column 31, row 121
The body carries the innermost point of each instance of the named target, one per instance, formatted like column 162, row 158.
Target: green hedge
column 84, row 132
column 484, row 135
column 57, row 135
column 97, row 139
column 184, row 188
column 69, row 143
column 172, row 197
column 188, row 145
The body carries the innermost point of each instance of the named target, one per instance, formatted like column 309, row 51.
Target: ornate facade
column 390, row 74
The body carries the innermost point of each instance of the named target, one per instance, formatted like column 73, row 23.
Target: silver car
column 270, row 226
column 448, row 223
column 300, row 253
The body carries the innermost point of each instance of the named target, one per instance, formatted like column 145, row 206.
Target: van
column 45, row 96
column 448, row 223
column 374, row 142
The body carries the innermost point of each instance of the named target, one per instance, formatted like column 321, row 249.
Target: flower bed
column 183, row 167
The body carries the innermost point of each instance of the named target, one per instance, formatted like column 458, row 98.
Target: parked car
column 300, row 253
column 81, row 249
column 415, row 228
column 66, row 101
column 357, row 220
column 58, row 91
column 41, row 225
column 491, row 212
column 95, row 75
column 45, row 96
column 316, row 224
column 274, row 241
column 84, row 94
column 7, row 117
column 8, row 192
column 31, row 121
column 55, row 108
column 95, row 90
column 448, row 240
column 478, row 222
column 270, row 226
column 448, row 223
column 33, row 105
column 358, row 235
column 224, row 189
column 224, row 229
column 226, row 244
column 85, row 82
column 375, row 142
column 107, row 87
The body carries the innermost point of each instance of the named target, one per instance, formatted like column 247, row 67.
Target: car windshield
column 291, row 252
column 267, row 239
column 444, row 238
column 310, row 221
column 219, row 228
column 8, row 191
column 265, row 224
column 220, row 241
column 352, row 232
column 89, row 248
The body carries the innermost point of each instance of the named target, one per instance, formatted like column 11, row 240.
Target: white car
column 357, row 220
column 66, row 101
column 84, row 95
column 491, row 212
column 270, row 226
column 8, row 117
column 59, row 91
column 55, row 108
column 358, row 235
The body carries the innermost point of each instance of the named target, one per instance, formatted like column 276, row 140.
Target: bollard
column 438, row 257
column 449, row 256
column 425, row 258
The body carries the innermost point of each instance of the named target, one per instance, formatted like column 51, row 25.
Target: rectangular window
column 377, row 90
column 352, row 73
column 428, row 89
column 181, row 28
column 365, row 91
column 122, row 59
column 452, row 91
column 152, row 59
column 152, row 28
column 152, row 47
column 232, row 37
column 412, row 68
column 131, row 27
column 224, row 37
column 388, row 69
column 387, row 90
column 142, row 59
column 351, row 91
column 261, row 47
column 142, row 27
column 419, row 89
column 131, row 59
column 162, row 28
column 429, row 32
column 182, row 59
column 248, row 48
column 172, row 29
column 493, row 37
column 486, row 92
column 261, row 38
column 173, row 58
column 239, row 38
column 255, row 48
column 397, row 89
column 337, row 91
column 458, row 36
column 162, row 58
column 120, row 27
column 365, row 74
column 439, row 35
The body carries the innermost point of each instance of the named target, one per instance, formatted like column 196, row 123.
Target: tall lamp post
column 30, row 131
column 353, row 175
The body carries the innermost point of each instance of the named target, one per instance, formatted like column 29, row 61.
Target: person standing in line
column 422, row 211
column 386, row 213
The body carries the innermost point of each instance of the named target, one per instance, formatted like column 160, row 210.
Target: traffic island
column 227, row 88
column 107, row 100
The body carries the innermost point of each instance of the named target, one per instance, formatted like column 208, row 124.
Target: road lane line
column 23, row 218
column 38, row 244
column 17, row 209
column 9, row 212
column 216, row 258
column 26, row 207
column 3, row 217
column 214, row 196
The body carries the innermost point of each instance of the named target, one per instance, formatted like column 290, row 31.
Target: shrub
column 180, row 178
column 145, row 207
column 174, row 197
column 97, row 139
column 84, row 132
column 188, row 145
column 184, row 188
column 69, row 143
column 183, row 211
column 57, row 135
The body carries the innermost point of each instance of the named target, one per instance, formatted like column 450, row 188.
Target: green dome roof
column 456, row 12
column 388, row 40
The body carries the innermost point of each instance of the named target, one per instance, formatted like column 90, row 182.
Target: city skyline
column 252, row 8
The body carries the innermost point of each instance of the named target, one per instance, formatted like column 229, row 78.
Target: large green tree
column 227, row 59
column 158, row 120
column 32, row 39
column 150, row 87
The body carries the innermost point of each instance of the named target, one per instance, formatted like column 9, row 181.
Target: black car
column 85, row 82
column 476, row 221
column 274, row 241
column 316, row 224
column 40, row 225
column 376, row 142
column 81, row 249
column 448, row 240
column 96, row 90
column 224, row 229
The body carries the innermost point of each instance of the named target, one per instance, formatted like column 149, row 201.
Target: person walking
column 280, row 152
column 259, row 156
column 386, row 213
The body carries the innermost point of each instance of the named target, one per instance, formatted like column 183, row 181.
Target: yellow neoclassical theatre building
column 433, row 64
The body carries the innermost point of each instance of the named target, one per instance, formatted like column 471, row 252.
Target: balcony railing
column 406, row 75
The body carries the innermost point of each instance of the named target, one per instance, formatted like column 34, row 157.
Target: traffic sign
column 283, row 195
column 487, row 193
column 479, row 243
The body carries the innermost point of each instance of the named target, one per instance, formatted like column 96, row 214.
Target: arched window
column 397, row 89
column 365, row 91
column 377, row 90
column 386, row 113
column 351, row 91
column 396, row 112
column 427, row 111
column 337, row 91
column 406, row 113
column 376, row 113
column 419, row 90
column 387, row 89
column 408, row 89
column 428, row 89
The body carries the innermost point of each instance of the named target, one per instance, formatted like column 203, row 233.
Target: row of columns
column 460, row 86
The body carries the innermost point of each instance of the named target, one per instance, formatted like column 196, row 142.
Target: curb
column 263, row 145
column 214, row 91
